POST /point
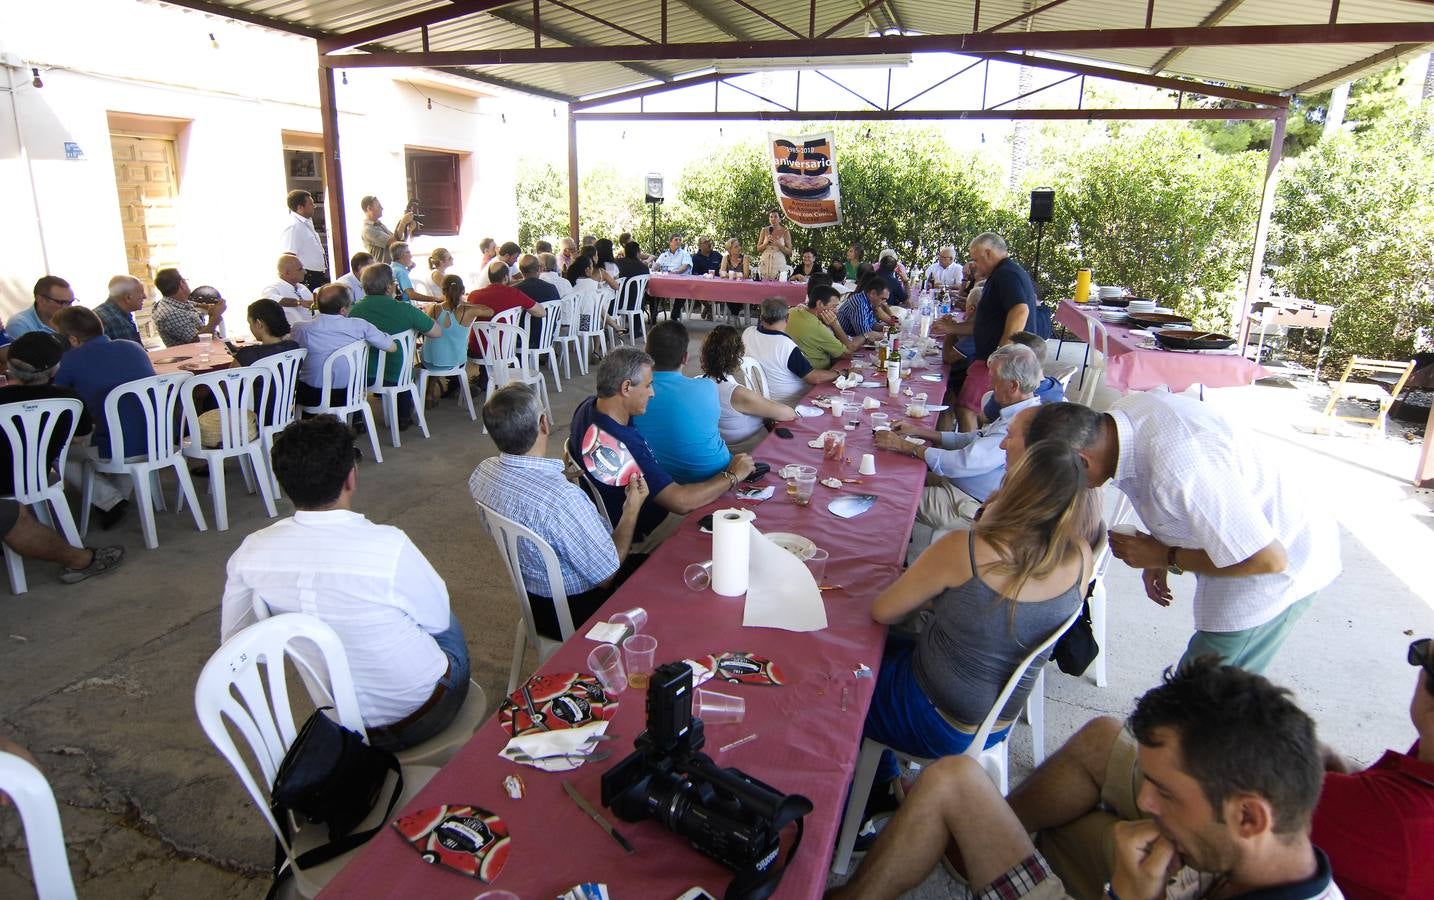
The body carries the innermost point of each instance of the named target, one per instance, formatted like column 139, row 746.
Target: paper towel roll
column 731, row 550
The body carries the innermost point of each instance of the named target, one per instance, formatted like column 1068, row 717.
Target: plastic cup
column 879, row 420
column 849, row 398
column 606, row 663
column 497, row 895
column 698, row 575
column 868, row 464
column 719, row 709
column 632, row 619
column 806, row 486
column 833, row 444
column 817, row 563
column 638, row 653
column 1126, row 529
column 838, row 406
column 206, row 341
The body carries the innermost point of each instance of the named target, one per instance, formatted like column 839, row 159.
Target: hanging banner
column 804, row 175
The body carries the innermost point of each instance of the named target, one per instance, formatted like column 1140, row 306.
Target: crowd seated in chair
column 367, row 581
column 331, row 329
column 93, row 366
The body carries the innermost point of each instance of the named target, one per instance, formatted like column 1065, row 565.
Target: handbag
column 1077, row 649
column 330, row 776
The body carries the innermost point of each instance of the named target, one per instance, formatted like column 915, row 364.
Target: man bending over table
column 610, row 451
column 367, row 582
column 787, row 371
column 1218, row 504
column 1224, row 765
column 524, row 485
column 967, row 466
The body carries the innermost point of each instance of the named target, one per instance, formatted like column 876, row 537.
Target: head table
column 808, row 730
column 699, row 287
column 1131, row 367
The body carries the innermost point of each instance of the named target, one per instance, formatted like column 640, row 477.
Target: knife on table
column 596, row 816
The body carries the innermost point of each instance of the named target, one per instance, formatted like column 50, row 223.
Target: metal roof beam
column 392, row 27
column 1028, row 14
column 1216, row 16
column 850, row 19
column 870, row 115
column 251, row 18
column 1339, row 75
column 703, row 10
column 1160, row 81
column 648, row 91
column 1088, row 39
column 574, row 43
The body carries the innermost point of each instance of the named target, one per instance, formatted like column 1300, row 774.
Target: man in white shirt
column 1219, row 505
column 300, row 239
column 368, row 582
column 946, row 272
column 509, row 254
column 788, row 372
column 290, row 291
column 675, row 260
column 971, row 463
column 550, row 274
column 360, row 261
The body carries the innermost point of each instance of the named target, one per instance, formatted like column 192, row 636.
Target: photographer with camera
column 377, row 239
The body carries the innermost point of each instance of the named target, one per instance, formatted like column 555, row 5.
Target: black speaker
column 1043, row 205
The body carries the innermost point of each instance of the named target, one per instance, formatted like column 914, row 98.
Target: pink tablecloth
column 1130, row 368
column 693, row 287
column 806, row 743
column 189, row 358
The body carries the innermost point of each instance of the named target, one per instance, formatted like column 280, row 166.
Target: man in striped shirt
column 524, row 485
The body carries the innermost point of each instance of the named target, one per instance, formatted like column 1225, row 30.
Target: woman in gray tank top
column 995, row 592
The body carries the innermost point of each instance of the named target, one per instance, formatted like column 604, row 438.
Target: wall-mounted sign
column 73, row 151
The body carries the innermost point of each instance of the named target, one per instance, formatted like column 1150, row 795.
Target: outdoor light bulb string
column 432, row 103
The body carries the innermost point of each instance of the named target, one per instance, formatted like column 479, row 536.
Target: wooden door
column 148, row 189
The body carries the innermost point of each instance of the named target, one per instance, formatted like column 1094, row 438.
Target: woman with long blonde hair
column 994, row 593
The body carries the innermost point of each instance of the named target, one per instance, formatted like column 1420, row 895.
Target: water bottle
column 924, row 328
column 945, row 303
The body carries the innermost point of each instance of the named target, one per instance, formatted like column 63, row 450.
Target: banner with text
column 804, row 175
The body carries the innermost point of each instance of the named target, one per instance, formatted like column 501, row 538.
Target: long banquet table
column 1130, row 367
column 190, row 358
column 808, row 729
column 698, row 287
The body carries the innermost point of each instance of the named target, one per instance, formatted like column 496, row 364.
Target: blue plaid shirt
column 532, row 491
column 118, row 324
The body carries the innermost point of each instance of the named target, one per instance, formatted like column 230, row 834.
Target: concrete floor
column 98, row 678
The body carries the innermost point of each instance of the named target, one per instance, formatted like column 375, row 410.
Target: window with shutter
column 433, row 183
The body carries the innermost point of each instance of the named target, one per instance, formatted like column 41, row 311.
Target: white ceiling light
column 874, row 61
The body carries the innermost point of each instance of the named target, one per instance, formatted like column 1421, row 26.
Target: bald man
column 290, row 291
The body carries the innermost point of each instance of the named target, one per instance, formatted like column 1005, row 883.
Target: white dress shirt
column 564, row 286
column 679, row 261
column 945, row 276
column 1200, row 483
column 974, row 460
column 368, row 582
column 300, row 239
column 282, row 290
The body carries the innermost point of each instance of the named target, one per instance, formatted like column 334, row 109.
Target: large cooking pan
column 1181, row 339
column 1155, row 320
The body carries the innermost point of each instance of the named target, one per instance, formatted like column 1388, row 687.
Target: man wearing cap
column 34, row 358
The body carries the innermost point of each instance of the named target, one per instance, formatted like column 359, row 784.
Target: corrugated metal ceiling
column 586, row 23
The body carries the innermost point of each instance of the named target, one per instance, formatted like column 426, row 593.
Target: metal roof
column 611, row 45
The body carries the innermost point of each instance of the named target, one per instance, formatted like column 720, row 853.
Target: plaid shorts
column 1031, row 878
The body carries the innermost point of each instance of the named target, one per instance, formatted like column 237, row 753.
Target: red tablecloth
column 695, row 287
column 1130, row 368
column 806, row 742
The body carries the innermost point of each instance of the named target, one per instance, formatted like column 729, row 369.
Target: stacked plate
column 1111, row 293
column 1111, row 314
column 1141, row 305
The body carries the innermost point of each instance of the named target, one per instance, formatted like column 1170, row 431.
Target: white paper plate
column 800, row 547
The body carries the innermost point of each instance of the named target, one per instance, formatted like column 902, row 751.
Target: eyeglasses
column 60, row 302
column 1419, row 655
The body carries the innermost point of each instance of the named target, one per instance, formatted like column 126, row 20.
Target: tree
column 608, row 205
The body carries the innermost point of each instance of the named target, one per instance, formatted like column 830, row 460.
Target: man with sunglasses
column 52, row 294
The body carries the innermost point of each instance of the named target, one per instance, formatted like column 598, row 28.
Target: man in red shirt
column 1378, row 825
column 496, row 297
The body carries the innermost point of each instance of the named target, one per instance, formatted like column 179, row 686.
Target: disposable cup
column 879, row 420
column 817, row 563
column 698, row 575
column 632, row 619
column 1126, row 529
column 833, row 444
column 849, row 398
column 606, row 663
column 868, row 464
column 638, row 654
column 806, row 485
column 838, row 406
column 497, row 895
column 719, row 709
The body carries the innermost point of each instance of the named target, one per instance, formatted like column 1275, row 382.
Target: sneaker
column 109, row 518
column 870, row 830
column 105, row 559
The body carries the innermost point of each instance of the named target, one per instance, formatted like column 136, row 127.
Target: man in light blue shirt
column 331, row 329
column 680, row 423
column 675, row 260
column 52, row 294
column 402, row 265
column 971, row 463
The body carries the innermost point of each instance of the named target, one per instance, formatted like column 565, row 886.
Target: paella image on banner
column 804, row 174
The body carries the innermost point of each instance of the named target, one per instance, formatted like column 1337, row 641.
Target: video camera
column 725, row 813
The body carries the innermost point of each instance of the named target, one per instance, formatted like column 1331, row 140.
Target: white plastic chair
column 1097, row 587
column 506, row 534
column 266, row 722
column 1094, row 367
column 459, row 371
column 39, row 815
column 547, row 332
column 158, row 398
column 629, row 306
column 237, row 391
column 407, row 343
column 592, row 305
column 276, row 403
column 993, row 759
column 355, row 357
column 753, row 376
column 565, row 336
column 30, row 426
column 505, row 348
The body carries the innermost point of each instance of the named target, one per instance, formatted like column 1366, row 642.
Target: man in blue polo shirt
column 680, row 424
column 93, row 367
column 52, row 294
column 1007, row 305
column 607, row 447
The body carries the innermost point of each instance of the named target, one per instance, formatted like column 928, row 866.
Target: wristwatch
column 1171, row 565
column 731, row 477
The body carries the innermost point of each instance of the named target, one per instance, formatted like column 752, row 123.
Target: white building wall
column 142, row 58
